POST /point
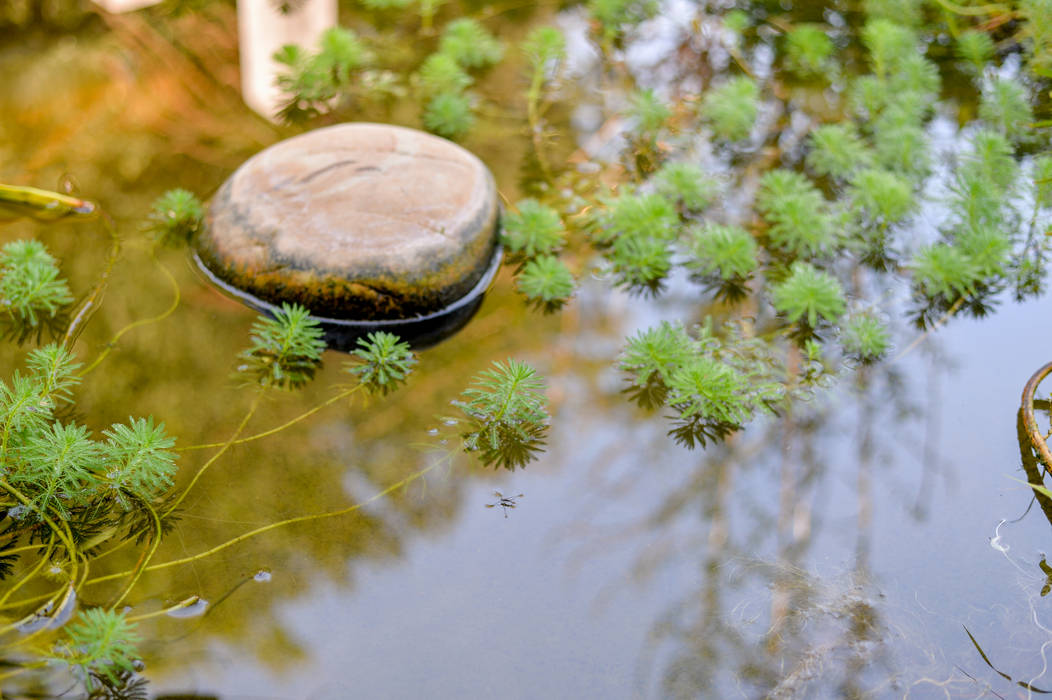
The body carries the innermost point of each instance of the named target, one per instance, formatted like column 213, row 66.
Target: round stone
column 355, row 221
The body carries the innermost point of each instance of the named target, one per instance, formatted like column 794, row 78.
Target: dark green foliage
column 801, row 224
column 507, row 415
column 864, row 338
column 449, row 115
column 175, row 217
column 808, row 50
column 534, row 229
column 976, row 47
column 837, row 150
column 439, row 74
column 686, row 185
column 285, row 350
column 809, row 296
column 469, row 44
column 31, row 292
column 385, row 362
column 723, row 258
column 1006, row 107
column 100, row 645
column 546, row 283
column 730, row 109
column 138, row 460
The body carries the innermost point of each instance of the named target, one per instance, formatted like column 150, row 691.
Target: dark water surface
column 846, row 551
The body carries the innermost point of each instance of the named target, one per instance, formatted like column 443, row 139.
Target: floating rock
column 368, row 226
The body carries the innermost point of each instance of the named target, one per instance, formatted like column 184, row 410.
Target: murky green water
column 861, row 547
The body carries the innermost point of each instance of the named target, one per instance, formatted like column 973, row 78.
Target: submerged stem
column 211, row 460
column 142, row 321
column 278, row 429
column 273, row 526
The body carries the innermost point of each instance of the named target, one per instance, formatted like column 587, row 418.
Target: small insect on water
column 505, row 502
column 17, row 202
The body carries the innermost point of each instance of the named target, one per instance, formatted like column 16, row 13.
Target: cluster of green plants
column 71, row 498
column 839, row 227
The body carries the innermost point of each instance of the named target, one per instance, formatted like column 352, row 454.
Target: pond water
column 867, row 544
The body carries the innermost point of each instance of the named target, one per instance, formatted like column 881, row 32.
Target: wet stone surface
column 354, row 221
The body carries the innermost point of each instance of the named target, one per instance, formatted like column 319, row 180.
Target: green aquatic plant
column 312, row 82
column 723, row 258
column 730, row 109
column 532, row 229
column 175, row 217
column 640, row 263
column 686, row 185
column 837, row 150
column 801, row 224
column 648, row 116
column 506, row 415
column 385, row 362
column 33, row 297
column 1006, row 107
column 545, row 49
column 649, row 359
column 546, row 283
column 808, row 50
column 614, row 17
column 101, row 645
column 889, row 44
column 713, row 387
column 864, row 338
column 809, row 297
column 882, row 195
column 449, row 114
column 441, row 74
column 469, row 44
column 285, row 350
column 976, row 47
column 634, row 214
column 139, row 461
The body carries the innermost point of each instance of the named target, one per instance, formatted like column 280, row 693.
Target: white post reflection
column 262, row 30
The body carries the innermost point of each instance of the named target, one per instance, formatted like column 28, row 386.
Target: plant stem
column 273, row 526
column 1029, row 422
column 29, row 575
column 145, row 558
column 142, row 321
column 278, row 429
column 935, row 326
column 91, row 301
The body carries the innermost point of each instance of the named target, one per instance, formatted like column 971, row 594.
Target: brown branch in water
column 1029, row 422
